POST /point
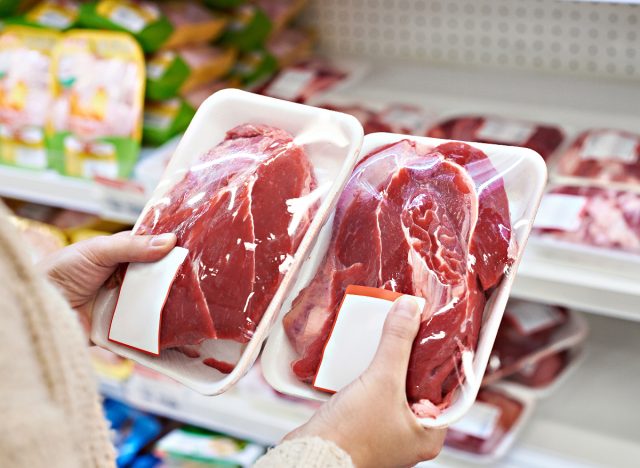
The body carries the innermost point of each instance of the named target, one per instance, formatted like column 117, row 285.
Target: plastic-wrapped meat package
column 591, row 216
column 367, row 117
column 603, row 155
column 481, row 432
column 405, row 118
column 241, row 212
column 526, row 329
column 542, row 372
column 544, row 139
column 431, row 222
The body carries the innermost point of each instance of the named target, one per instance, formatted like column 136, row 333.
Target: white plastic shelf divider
column 587, row 422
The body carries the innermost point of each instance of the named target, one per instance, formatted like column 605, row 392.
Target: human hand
column 78, row 271
column 370, row 419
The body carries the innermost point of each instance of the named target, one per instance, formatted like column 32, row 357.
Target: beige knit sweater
column 50, row 414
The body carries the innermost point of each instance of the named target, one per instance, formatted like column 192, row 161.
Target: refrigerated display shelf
column 585, row 423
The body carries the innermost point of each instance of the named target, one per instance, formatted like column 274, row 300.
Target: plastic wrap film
column 609, row 218
column 542, row 138
column 253, row 195
column 428, row 221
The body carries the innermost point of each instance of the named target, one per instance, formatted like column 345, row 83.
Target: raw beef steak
column 420, row 221
column 543, row 139
column 232, row 210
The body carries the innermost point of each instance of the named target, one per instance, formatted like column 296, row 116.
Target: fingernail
column 163, row 240
column 407, row 306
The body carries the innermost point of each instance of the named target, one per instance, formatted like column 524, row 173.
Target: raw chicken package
column 491, row 427
column 583, row 217
column 531, row 338
column 249, row 185
column 602, row 156
column 445, row 221
column 542, row 138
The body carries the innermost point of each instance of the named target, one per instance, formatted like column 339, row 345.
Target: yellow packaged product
column 192, row 23
column 77, row 235
column 25, row 94
column 41, row 239
column 95, row 124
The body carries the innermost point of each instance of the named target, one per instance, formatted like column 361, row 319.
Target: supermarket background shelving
column 570, row 75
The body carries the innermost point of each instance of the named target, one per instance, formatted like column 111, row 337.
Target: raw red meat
column 543, row 372
column 368, row 118
column 610, row 219
column 232, row 211
column 603, row 155
column 510, row 411
column 526, row 329
column 544, row 139
column 408, row 221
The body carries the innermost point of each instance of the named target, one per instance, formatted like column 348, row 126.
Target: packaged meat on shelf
column 602, row 157
column 535, row 345
column 540, row 137
column 260, row 176
column 52, row 14
column 491, row 427
column 468, row 260
column 591, row 222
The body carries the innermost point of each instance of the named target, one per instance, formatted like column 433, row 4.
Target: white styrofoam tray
column 332, row 141
column 524, row 173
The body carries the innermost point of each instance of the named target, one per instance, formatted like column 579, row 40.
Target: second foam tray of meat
column 233, row 211
column 431, row 222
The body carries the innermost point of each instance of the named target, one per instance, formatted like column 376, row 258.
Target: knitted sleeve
column 310, row 452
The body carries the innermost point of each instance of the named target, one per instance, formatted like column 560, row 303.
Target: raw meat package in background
column 427, row 217
column 290, row 46
column 491, row 426
column 25, row 94
column 250, row 183
column 50, row 14
column 535, row 343
column 542, row 138
column 192, row 23
column 95, row 124
column 591, row 216
column 602, row 156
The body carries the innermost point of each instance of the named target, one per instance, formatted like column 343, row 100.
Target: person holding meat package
column 49, row 404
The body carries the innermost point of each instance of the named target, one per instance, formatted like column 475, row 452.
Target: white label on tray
column 480, row 421
column 95, row 168
column 128, row 18
column 610, row 145
column 291, row 84
column 531, row 318
column 353, row 341
column 31, row 157
column 404, row 117
column 136, row 320
column 55, row 19
column 560, row 211
column 505, row 131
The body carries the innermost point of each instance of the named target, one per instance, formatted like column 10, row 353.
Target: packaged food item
column 529, row 333
column 95, row 123
column 313, row 77
column 52, row 14
column 445, row 221
column 142, row 19
column 202, row 448
column 41, row 239
column 165, row 119
column 254, row 68
column 602, row 156
column 196, row 96
column 367, row 117
column 490, row 428
column 405, row 118
column 290, row 46
column 591, row 216
column 25, row 94
column 192, row 23
column 542, row 138
column 281, row 12
column 257, row 189
column 109, row 366
column 78, row 235
column 247, row 29
column 172, row 72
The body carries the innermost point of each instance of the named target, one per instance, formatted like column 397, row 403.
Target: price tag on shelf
column 480, row 421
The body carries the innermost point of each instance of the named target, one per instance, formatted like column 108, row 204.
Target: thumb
column 109, row 251
column 400, row 329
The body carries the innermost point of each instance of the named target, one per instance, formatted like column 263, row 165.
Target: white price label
column 560, row 211
column 404, row 118
column 128, row 18
column 55, row 19
column 611, row 145
column 505, row 131
column 531, row 318
column 480, row 421
column 291, row 84
column 35, row 158
column 94, row 168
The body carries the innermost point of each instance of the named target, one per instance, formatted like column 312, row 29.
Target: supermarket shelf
column 586, row 423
